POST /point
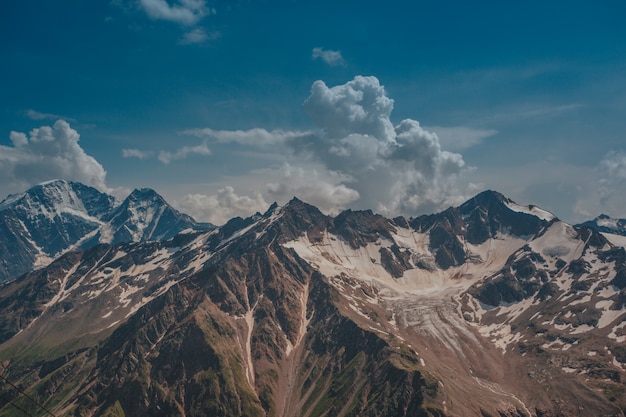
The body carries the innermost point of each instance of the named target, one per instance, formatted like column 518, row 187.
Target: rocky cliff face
column 487, row 309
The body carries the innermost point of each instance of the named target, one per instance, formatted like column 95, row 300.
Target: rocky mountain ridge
column 487, row 309
column 606, row 224
column 51, row 218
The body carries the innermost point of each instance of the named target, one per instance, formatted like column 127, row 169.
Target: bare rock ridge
column 489, row 309
column 606, row 224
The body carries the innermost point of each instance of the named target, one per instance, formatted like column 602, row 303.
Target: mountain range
column 51, row 218
column 487, row 309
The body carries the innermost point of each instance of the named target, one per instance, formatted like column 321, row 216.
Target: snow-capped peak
column 606, row 224
column 51, row 199
column 56, row 216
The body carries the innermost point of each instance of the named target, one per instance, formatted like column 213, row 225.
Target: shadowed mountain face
column 476, row 221
column 54, row 217
column 487, row 309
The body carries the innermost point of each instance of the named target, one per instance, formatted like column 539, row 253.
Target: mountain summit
column 486, row 216
column 145, row 215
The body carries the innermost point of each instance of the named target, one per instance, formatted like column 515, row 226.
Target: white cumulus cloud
column 356, row 158
column 222, row 206
column 36, row 115
column 323, row 188
column 330, row 57
column 47, row 152
column 398, row 169
column 359, row 106
column 251, row 137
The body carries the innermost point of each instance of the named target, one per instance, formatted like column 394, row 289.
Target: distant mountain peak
column 295, row 202
column 51, row 198
column 491, row 195
column 606, row 224
column 38, row 192
column 141, row 197
column 145, row 193
column 58, row 215
column 145, row 215
column 486, row 199
column 295, row 205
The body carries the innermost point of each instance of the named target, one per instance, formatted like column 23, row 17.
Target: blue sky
column 402, row 107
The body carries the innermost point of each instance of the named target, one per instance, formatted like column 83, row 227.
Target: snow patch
column 583, row 328
column 532, row 210
column 608, row 316
column 616, row 240
column 560, row 241
column 613, row 335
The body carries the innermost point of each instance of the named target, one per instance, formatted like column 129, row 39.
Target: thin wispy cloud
column 251, row 137
column 548, row 111
column 36, row 115
column 613, row 166
column 136, row 153
column 457, row 138
column 328, row 56
column 198, row 36
column 185, row 12
column 167, row 157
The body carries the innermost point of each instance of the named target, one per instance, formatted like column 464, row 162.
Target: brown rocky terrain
column 487, row 309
